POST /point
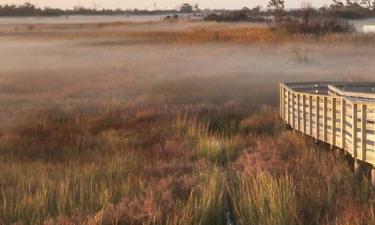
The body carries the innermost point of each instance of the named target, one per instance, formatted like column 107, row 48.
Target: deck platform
column 341, row 114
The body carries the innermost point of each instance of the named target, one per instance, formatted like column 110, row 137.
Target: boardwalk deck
column 339, row 114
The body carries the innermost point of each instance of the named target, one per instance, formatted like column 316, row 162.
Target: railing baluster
column 310, row 116
column 298, row 113
column 333, row 124
column 317, row 118
column 288, row 106
column 325, row 119
column 304, row 113
column 293, row 113
column 354, row 130
column 363, row 131
column 343, row 127
column 281, row 101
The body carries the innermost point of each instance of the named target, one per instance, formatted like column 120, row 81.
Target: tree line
column 28, row 9
column 349, row 9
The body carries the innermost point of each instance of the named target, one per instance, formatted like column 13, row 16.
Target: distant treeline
column 29, row 9
column 349, row 10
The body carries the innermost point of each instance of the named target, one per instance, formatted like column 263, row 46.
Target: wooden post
column 304, row 113
column 325, row 119
column 354, row 130
column 363, row 131
column 282, row 104
column 310, row 116
column 333, row 124
column 357, row 167
column 298, row 113
column 288, row 106
column 373, row 177
column 317, row 118
column 293, row 113
column 343, row 113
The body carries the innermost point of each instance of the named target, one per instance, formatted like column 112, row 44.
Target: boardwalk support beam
column 357, row 167
column 373, row 177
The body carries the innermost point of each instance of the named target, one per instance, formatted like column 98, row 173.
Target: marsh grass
column 205, row 207
column 220, row 149
column 210, row 144
column 259, row 198
column 257, row 173
column 41, row 179
column 33, row 191
column 323, row 183
column 263, row 121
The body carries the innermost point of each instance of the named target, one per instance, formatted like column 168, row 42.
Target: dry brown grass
column 156, row 32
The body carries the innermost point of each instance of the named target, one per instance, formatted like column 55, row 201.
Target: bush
column 234, row 16
column 319, row 25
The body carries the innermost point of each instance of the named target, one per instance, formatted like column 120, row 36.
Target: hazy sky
column 160, row 4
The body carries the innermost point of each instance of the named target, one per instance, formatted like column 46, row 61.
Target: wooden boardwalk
column 339, row 114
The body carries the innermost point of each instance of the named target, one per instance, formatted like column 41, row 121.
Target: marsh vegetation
column 160, row 123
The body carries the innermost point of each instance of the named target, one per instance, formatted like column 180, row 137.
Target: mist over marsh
column 169, row 123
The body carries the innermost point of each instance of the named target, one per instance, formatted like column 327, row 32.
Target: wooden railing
column 339, row 118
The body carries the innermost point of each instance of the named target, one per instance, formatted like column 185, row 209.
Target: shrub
column 318, row 25
column 263, row 122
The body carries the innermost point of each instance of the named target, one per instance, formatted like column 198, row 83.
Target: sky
column 160, row 4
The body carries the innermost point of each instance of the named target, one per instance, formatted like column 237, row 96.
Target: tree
column 196, row 7
column 338, row 4
column 306, row 12
column 256, row 10
column 276, row 7
column 186, row 8
column 369, row 4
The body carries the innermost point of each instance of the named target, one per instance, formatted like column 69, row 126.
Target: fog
column 38, row 73
column 73, row 19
